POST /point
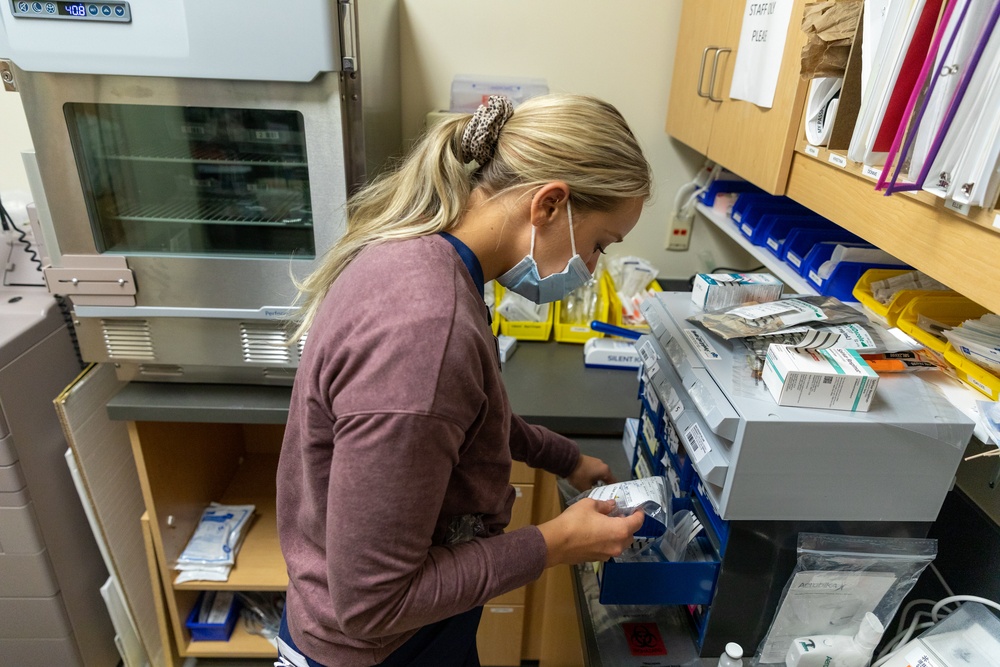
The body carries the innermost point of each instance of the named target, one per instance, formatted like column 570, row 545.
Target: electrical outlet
column 679, row 232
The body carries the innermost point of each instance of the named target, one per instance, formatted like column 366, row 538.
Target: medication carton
column 832, row 378
column 715, row 291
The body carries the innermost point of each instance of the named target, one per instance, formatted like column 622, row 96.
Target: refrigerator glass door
column 196, row 181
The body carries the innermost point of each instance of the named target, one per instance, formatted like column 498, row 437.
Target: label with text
column 701, row 345
column 698, row 445
column 812, row 150
column 838, row 160
column 871, row 172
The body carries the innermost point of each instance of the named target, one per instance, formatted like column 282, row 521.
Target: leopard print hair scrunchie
column 480, row 137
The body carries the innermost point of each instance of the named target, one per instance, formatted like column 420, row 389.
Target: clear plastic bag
column 650, row 494
column 516, row 308
column 837, row 580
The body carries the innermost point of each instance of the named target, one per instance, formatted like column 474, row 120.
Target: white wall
column 621, row 52
column 14, row 138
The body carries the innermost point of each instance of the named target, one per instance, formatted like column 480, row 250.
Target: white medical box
column 834, row 378
column 716, row 291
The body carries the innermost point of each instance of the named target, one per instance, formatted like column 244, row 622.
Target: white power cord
column 904, row 636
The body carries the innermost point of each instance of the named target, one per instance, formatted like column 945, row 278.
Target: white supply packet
column 218, row 535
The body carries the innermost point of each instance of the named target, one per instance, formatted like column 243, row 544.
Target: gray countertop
column 547, row 384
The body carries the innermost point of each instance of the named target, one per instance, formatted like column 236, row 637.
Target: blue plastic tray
column 800, row 242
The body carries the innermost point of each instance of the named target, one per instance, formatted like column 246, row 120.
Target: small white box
column 506, row 346
column 715, row 291
column 833, row 378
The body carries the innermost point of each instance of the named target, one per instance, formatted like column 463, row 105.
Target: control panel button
column 105, row 10
column 50, row 8
column 36, row 7
column 93, row 10
column 22, row 7
column 119, row 10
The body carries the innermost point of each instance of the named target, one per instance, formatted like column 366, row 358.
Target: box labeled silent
column 832, row 378
column 715, row 291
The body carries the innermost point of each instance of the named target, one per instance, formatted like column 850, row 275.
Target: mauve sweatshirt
column 399, row 425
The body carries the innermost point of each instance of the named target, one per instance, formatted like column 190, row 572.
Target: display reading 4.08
column 72, row 9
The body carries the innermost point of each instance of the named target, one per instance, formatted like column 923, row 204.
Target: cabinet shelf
column 960, row 252
column 259, row 564
column 241, row 644
column 779, row 269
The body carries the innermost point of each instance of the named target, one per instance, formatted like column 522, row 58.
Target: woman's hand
column 585, row 533
column 588, row 472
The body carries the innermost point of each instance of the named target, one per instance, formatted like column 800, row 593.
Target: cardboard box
column 716, row 291
column 833, row 378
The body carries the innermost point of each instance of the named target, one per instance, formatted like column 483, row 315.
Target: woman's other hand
column 585, row 533
column 588, row 472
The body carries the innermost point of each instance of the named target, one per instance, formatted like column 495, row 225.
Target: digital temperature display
column 72, row 9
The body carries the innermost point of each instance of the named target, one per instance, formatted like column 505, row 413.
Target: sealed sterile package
column 775, row 316
column 211, row 552
column 516, row 308
column 863, row 337
column 837, row 580
column 650, row 494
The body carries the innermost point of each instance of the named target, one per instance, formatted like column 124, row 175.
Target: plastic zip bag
column 837, row 580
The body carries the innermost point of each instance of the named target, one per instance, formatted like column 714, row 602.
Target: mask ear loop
column 572, row 234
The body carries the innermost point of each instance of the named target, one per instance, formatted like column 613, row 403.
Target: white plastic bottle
column 733, row 657
column 837, row 650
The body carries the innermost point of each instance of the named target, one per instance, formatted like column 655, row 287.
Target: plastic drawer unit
column 760, row 461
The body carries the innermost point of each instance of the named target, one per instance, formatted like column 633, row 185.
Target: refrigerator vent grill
column 264, row 343
column 128, row 339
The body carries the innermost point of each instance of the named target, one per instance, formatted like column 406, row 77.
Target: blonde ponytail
column 579, row 140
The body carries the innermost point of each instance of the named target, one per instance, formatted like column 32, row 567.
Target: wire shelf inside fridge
column 284, row 212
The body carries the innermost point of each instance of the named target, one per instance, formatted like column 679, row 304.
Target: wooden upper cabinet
column 703, row 30
column 755, row 143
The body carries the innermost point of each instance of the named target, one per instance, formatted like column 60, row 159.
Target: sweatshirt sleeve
column 384, row 574
column 541, row 448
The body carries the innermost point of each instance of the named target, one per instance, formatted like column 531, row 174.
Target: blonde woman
column 393, row 489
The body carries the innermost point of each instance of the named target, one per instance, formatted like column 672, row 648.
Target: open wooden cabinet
column 184, row 466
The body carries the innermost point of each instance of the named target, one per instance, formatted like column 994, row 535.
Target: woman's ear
column 548, row 203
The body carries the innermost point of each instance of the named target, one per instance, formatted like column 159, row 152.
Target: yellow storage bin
column 882, row 313
column 973, row 374
column 615, row 304
column 581, row 332
column 951, row 310
column 523, row 330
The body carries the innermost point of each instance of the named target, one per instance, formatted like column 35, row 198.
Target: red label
column 644, row 639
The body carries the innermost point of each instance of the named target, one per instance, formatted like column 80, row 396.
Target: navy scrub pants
column 447, row 643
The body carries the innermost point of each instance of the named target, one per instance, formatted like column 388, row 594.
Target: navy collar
column 469, row 259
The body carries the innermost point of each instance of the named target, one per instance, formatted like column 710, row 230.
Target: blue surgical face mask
column 524, row 279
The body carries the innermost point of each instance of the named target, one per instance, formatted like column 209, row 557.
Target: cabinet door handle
column 701, row 70
column 715, row 69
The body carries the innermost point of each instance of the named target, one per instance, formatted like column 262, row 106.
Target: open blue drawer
column 661, row 583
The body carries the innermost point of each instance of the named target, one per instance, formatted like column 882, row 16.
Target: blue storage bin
column 721, row 187
column 686, row 583
column 748, row 198
column 819, row 253
column 775, row 229
column 841, row 281
column 212, row 632
column 800, row 242
column 686, row 476
column 755, row 212
column 758, row 230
